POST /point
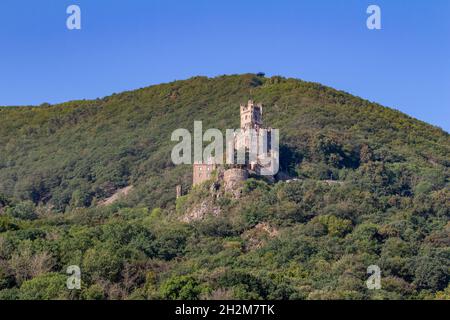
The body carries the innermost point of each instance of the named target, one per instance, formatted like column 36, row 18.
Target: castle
column 202, row 171
column 251, row 122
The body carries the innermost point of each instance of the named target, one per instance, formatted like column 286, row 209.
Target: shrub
column 50, row 286
column 181, row 288
column 25, row 210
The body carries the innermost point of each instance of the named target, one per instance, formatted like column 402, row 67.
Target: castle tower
column 246, row 140
column 202, row 171
column 251, row 115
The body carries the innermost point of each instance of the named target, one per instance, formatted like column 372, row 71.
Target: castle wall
column 233, row 179
column 179, row 190
column 202, row 172
column 251, row 118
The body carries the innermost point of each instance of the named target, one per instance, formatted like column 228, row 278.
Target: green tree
column 25, row 210
column 50, row 286
column 181, row 288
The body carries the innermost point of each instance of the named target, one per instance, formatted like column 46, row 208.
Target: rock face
column 116, row 196
column 199, row 211
column 256, row 237
column 228, row 182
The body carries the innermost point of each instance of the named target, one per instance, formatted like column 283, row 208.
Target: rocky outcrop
column 116, row 196
column 256, row 237
column 199, row 211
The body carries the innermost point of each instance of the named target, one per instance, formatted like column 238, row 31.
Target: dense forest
column 370, row 186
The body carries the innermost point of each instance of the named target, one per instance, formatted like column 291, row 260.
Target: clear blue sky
column 134, row 43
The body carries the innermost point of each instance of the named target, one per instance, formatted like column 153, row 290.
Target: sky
column 124, row 45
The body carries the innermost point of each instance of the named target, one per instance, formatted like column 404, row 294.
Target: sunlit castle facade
column 253, row 137
column 252, row 141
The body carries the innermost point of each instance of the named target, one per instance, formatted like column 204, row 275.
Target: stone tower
column 251, row 115
column 202, row 171
column 179, row 190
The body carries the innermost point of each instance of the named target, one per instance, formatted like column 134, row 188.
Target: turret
column 251, row 115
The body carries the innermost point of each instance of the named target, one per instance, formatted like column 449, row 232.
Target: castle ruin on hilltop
column 251, row 128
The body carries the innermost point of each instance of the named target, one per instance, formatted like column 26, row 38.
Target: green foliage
column 9, row 294
column 215, row 227
column 51, row 286
column 335, row 227
column 6, row 224
column 25, row 210
column 253, row 184
column 4, row 201
column 102, row 263
column 170, row 243
column 156, row 214
column 94, row 292
column 371, row 187
column 101, row 145
column 181, row 204
column 181, row 288
column 432, row 271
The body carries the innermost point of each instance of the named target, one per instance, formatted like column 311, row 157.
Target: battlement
column 251, row 115
column 251, row 118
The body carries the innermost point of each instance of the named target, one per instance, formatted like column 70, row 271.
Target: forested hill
column 310, row 238
column 76, row 153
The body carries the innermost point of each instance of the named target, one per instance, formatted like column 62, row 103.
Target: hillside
column 300, row 240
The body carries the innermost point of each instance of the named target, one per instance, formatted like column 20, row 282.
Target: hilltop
column 76, row 152
column 369, row 186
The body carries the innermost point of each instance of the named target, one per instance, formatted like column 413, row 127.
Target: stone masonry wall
column 233, row 179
